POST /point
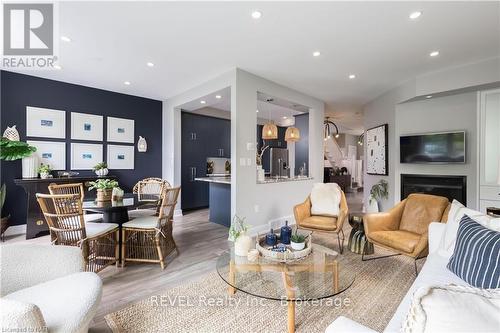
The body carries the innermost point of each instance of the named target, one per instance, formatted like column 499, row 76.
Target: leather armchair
column 403, row 229
column 320, row 223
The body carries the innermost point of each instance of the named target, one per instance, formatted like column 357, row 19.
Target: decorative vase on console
column 30, row 166
column 101, row 169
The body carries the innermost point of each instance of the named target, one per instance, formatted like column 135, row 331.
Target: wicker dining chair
column 64, row 216
column 74, row 188
column 149, row 238
column 149, row 190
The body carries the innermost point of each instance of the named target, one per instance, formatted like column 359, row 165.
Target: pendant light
column 292, row 134
column 270, row 130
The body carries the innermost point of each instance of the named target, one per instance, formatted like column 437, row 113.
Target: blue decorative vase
column 271, row 238
column 286, row 233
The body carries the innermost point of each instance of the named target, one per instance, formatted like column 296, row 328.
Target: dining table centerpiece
column 104, row 188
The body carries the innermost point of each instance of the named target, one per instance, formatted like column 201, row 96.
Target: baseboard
column 275, row 224
column 178, row 212
column 15, row 230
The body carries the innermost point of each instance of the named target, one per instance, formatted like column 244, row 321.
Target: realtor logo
column 28, row 35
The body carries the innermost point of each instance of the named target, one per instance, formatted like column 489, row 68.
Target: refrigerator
column 279, row 162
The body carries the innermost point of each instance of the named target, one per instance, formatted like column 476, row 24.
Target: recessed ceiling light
column 415, row 15
column 150, row 64
column 257, row 111
column 434, row 53
column 256, row 14
column 65, row 39
column 127, row 83
column 316, row 54
column 428, row 96
column 57, row 67
column 203, row 102
column 352, row 76
column 284, row 117
column 218, row 96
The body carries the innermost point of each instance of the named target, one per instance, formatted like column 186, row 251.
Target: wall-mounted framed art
column 86, row 126
column 84, row 156
column 51, row 153
column 377, row 150
column 120, row 130
column 120, row 157
column 45, row 123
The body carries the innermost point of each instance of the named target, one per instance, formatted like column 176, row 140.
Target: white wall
column 450, row 113
column 259, row 203
column 455, row 80
column 273, row 201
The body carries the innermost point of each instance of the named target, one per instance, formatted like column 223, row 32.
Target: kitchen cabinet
column 202, row 137
column 489, row 165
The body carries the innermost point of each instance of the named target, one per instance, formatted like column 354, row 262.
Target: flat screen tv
column 433, row 148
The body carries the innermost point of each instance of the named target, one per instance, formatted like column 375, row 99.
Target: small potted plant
column 101, row 169
column 378, row 191
column 104, row 188
column 297, row 241
column 44, row 171
column 238, row 235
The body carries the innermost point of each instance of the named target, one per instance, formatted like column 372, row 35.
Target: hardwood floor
column 200, row 243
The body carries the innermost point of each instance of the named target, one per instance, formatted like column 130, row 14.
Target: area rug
column 204, row 305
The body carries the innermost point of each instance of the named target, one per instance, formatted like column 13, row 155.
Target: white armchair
column 43, row 288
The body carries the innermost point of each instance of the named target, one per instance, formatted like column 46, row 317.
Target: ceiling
column 280, row 111
column 192, row 42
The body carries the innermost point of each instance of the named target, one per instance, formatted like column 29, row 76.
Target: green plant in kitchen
column 104, row 188
column 14, row 150
column 44, row 171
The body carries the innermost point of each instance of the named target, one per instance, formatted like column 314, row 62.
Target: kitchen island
column 219, row 199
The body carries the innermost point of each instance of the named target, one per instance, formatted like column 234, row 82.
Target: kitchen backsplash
column 218, row 166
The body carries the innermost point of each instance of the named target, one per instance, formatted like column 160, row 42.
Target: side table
column 357, row 237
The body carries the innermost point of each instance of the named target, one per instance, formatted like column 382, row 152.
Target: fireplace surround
column 451, row 187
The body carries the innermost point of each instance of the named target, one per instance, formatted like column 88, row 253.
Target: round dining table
column 115, row 211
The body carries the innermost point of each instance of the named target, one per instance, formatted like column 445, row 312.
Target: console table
column 35, row 222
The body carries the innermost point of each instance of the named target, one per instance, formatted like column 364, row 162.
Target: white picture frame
column 120, row 157
column 120, row 130
column 86, row 126
column 51, row 153
column 45, row 123
column 84, row 156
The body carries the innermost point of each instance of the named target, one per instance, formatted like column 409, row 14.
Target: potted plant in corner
column 238, row 235
column 378, row 191
column 297, row 241
column 104, row 188
column 44, row 171
column 101, row 169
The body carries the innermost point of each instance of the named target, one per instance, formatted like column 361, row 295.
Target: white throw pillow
column 325, row 199
column 453, row 308
column 457, row 211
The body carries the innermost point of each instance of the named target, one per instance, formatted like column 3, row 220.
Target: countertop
column 272, row 180
column 215, row 179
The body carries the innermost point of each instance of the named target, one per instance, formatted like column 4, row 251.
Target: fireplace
column 452, row 187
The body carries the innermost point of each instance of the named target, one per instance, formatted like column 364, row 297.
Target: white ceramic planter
column 372, row 206
column 30, row 166
column 44, row 175
column 242, row 245
column 102, row 172
column 298, row 246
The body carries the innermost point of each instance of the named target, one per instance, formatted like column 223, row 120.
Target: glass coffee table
column 321, row 274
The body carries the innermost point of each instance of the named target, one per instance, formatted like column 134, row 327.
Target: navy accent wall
column 302, row 146
column 19, row 91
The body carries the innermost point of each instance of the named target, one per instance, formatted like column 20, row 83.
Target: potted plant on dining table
column 104, row 188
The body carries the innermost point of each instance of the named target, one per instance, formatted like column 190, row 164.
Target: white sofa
column 433, row 272
column 43, row 288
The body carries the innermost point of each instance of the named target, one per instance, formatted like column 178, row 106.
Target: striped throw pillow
column 476, row 258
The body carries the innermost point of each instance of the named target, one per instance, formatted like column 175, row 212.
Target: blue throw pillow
column 476, row 258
